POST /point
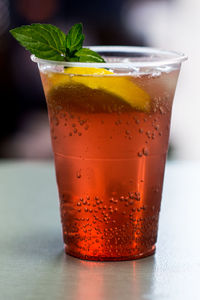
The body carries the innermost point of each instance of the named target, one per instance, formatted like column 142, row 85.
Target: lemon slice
column 119, row 86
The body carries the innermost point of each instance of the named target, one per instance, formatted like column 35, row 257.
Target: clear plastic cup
column 110, row 126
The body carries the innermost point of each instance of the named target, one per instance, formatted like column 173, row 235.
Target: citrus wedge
column 120, row 86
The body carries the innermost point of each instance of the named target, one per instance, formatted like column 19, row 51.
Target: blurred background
column 170, row 24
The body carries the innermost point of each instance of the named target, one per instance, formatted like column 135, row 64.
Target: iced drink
column 110, row 131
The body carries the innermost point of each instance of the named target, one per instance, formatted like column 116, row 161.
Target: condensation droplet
column 141, row 130
column 145, row 151
column 137, row 196
column 55, row 121
column 78, row 174
column 81, row 122
column 131, row 195
column 148, row 133
column 127, row 132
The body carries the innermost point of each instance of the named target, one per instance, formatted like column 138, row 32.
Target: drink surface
column 110, row 155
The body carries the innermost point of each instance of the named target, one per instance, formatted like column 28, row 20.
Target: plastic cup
column 110, row 137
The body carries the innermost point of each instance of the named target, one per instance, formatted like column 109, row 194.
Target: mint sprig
column 75, row 38
column 87, row 55
column 47, row 41
column 43, row 40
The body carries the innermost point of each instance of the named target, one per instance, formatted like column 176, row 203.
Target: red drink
column 110, row 156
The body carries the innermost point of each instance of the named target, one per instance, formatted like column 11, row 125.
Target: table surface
column 33, row 264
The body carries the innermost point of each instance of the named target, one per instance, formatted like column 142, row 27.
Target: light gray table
column 34, row 266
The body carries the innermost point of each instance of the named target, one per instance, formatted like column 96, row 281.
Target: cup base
column 106, row 258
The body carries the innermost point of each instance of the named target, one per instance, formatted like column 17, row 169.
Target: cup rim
column 152, row 57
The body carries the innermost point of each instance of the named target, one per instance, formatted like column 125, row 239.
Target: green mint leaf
column 43, row 40
column 75, row 38
column 49, row 42
column 87, row 55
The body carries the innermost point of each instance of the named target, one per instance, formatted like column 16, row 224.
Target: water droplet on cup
column 145, row 151
column 78, row 174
